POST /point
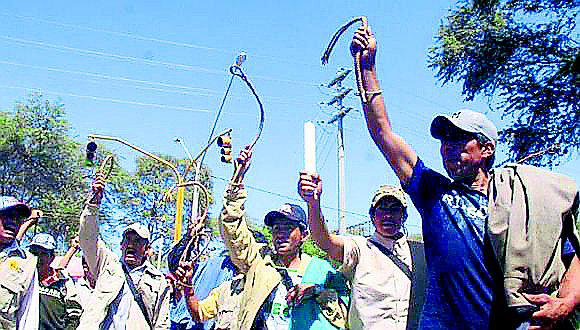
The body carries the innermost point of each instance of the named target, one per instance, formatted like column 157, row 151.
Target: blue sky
column 149, row 71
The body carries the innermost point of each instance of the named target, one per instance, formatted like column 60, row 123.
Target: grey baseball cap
column 45, row 241
column 466, row 120
column 139, row 229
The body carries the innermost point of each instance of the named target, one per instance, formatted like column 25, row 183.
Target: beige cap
column 138, row 228
column 392, row 191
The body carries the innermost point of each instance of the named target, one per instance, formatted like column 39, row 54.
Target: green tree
column 40, row 164
column 142, row 196
column 523, row 57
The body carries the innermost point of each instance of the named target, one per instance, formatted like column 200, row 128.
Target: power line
column 98, row 98
column 288, row 197
column 94, row 53
column 177, row 89
column 125, row 58
column 151, row 39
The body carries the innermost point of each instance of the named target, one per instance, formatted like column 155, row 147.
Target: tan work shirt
column 17, row 268
column 380, row 290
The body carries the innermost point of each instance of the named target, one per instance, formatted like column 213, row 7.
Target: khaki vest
column 16, row 274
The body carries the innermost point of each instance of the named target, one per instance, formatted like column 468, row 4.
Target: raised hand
column 75, row 242
column 243, row 163
column 98, row 187
column 364, row 40
column 309, row 187
column 184, row 273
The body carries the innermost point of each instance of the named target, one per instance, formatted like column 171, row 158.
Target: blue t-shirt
column 459, row 291
column 208, row 275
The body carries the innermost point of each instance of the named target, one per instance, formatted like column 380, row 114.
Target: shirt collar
column 388, row 242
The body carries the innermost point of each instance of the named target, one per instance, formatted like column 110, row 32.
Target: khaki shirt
column 261, row 276
column 380, row 290
column 17, row 268
column 110, row 279
column 223, row 303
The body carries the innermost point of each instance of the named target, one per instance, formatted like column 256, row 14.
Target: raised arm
column 89, row 228
column 31, row 221
column 242, row 247
column 73, row 248
column 397, row 152
column 310, row 189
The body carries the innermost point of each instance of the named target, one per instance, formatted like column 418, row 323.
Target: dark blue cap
column 292, row 212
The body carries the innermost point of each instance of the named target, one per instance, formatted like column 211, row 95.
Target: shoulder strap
column 137, row 296
column 402, row 266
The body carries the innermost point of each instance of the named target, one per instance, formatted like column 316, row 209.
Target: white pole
column 310, row 147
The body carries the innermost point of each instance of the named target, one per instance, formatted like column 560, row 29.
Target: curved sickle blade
column 337, row 35
column 237, row 71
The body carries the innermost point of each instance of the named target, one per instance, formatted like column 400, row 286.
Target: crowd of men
column 501, row 248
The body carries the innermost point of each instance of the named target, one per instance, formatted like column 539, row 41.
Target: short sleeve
column 424, row 185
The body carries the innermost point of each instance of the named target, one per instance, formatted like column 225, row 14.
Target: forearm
column 570, row 287
column 332, row 244
column 396, row 151
column 22, row 231
column 67, row 257
column 202, row 310
column 242, row 247
column 88, row 236
column 193, row 307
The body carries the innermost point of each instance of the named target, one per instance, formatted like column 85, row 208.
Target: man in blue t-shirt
column 461, row 280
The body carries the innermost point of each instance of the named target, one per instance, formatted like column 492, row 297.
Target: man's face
column 9, row 225
column 134, row 249
column 287, row 236
column 45, row 257
column 388, row 217
column 463, row 155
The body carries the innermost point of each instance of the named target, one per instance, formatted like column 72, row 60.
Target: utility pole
column 340, row 93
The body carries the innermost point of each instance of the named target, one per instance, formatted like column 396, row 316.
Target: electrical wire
column 151, row 39
column 125, row 58
column 105, row 99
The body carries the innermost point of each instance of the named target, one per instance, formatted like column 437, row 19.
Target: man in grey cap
column 17, row 267
column 379, row 268
column 130, row 293
column 460, row 289
column 59, row 305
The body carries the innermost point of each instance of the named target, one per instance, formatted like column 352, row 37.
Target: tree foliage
column 523, row 56
column 40, row 164
column 142, row 197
